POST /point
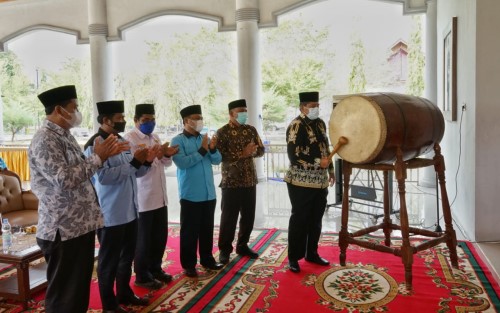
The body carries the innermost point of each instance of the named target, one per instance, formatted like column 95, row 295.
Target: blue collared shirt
column 194, row 168
column 116, row 186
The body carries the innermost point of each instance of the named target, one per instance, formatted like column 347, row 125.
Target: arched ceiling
column 18, row 17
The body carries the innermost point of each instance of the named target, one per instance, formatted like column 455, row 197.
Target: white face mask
column 313, row 113
column 198, row 125
column 75, row 120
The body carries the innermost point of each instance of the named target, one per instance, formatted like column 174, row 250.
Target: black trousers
column 197, row 229
column 69, row 271
column 152, row 235
column 236, row 201
column 115, row 262
column 304, row 228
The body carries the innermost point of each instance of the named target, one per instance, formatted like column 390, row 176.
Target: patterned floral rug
column 371, row 282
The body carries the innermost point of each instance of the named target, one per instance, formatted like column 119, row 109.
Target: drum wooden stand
column 406, row 251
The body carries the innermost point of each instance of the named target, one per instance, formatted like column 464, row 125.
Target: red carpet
column 372, row 282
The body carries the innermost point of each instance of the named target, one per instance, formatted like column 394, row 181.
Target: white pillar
column 428, row 174
column 250, row 81
column 101, row 67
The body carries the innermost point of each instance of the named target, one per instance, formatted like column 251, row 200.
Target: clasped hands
column 109, row 147
column 156, row 151
column 112, row 146
column 209, row 144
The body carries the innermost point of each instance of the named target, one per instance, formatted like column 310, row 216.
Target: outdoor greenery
column 191, row 68
column 416, row 60
column 357, row 78
column 307, row 66
column 200, row 68
column 17, row 94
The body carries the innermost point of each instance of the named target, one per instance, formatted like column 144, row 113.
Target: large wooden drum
column 376, row 124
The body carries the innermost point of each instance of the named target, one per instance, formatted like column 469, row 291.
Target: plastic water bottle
column 6, row 235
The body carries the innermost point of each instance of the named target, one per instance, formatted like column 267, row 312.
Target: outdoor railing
column 275, row 162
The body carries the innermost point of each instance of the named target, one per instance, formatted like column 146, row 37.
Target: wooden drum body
column 377, row 124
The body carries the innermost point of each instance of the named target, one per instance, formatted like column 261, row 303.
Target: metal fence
column 276, row 164
column 277, row 203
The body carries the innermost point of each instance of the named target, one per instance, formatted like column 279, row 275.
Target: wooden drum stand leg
column 451, row 237
column 406, row 248
column 387, row 223
column 406, row 251
column 344, row 234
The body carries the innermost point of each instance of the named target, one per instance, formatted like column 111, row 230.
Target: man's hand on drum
column 324, row 162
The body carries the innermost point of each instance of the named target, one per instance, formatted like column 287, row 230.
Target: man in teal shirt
column 196, row 191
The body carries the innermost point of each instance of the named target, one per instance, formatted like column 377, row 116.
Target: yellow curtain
column 16, row 159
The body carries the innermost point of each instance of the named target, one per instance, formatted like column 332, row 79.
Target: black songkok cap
column 144, row 108
column 311, row 96
column 237, row 104
column 110, row 107
column 192, row 109
column 57, row 95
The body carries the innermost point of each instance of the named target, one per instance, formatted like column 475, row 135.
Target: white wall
column 478, row 79
column 487, row 120
column 461, row 185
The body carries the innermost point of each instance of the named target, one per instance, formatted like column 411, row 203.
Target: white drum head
column 362, row 122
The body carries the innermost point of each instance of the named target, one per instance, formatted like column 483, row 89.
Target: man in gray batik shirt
column 68, row 211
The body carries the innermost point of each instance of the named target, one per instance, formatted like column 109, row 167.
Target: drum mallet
column 342, row 141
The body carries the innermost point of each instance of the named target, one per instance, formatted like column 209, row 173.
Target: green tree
column 273, row 109
column 18, row 94
column 15, row 120
column 416, row 60
column 189, row 68
column 357, row 78
column 306, row 66
column 73, row 72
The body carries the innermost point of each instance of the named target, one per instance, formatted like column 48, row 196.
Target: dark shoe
column 224, row 258
column 151, row 285
column 294, row 266
column 134, row 300
column 214, row 266
column 117, row 310
column 162, row 276
column 190, row 272
column 318, row 260
column 246, row 251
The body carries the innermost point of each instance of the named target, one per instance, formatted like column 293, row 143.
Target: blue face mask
column 242, row 118
column 147, row 127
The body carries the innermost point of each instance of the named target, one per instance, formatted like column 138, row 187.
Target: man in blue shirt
column 116, row 187
column 196, row 191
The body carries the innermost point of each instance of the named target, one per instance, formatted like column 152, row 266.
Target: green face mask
column 242, row 118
